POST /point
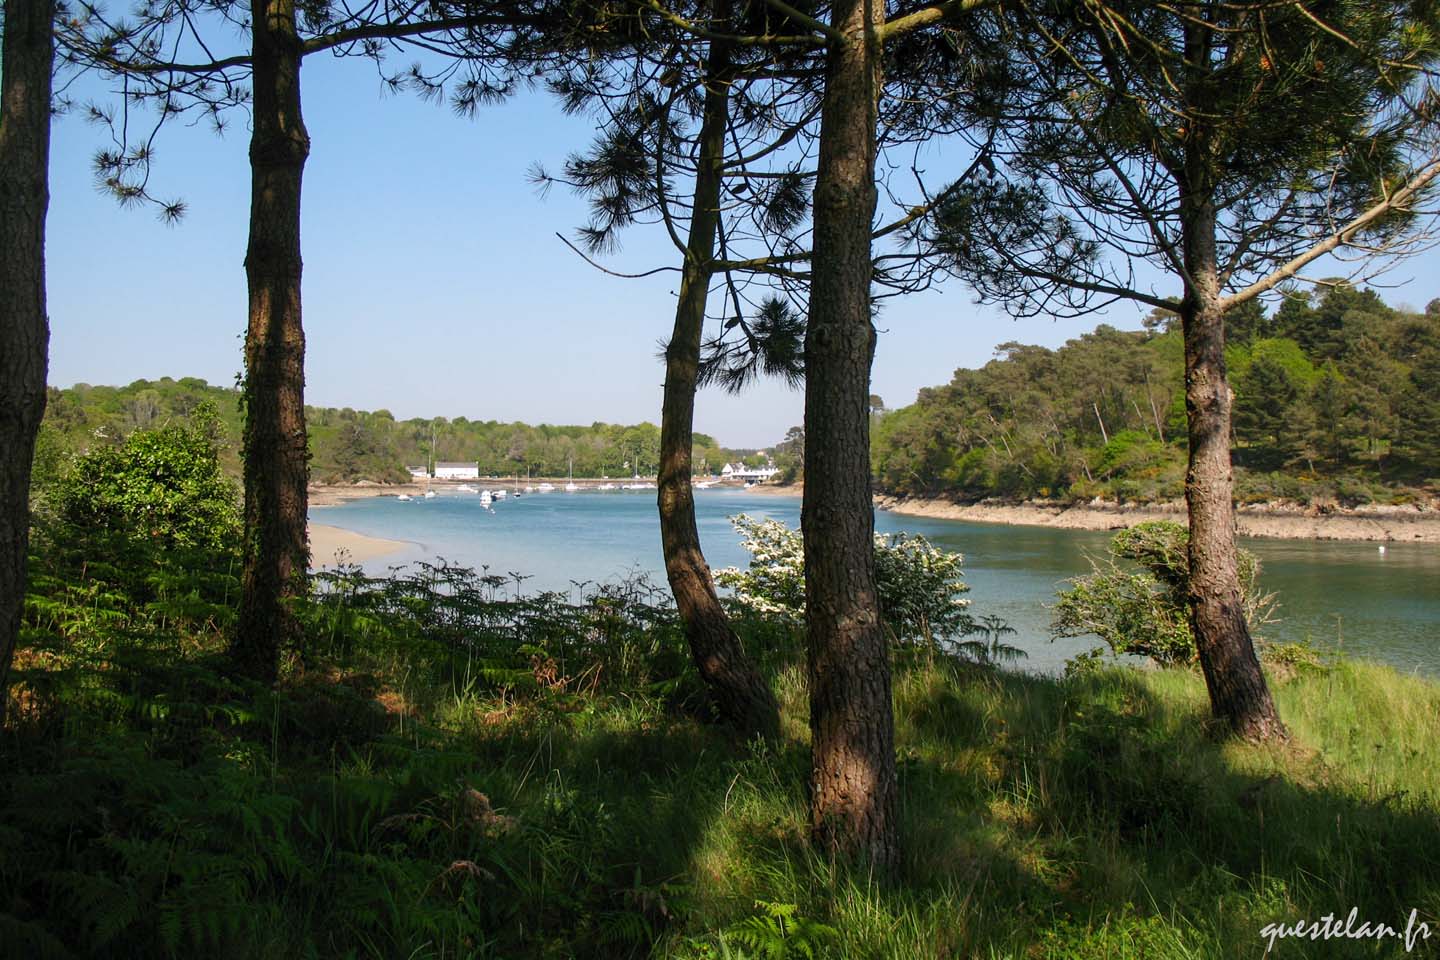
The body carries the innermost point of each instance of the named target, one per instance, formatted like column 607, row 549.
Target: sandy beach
column 328, row 544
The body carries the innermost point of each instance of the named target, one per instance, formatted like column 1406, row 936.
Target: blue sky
column 434, row 284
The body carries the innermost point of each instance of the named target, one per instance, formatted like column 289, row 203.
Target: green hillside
column 1337, row 398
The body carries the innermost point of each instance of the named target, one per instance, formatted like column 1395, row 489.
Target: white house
column 738, row 471
column 418, row 473
column 450, row 470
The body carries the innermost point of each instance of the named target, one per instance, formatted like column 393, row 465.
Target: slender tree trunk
column 738, row 691
column 1238, row 693
column 1104, row 435
column 1154, row 410
column 276, row 467
column 28, row 54
column 851, row 726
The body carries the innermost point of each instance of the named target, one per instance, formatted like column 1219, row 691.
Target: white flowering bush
column 921, row 587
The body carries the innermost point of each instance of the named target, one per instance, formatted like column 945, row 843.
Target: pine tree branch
column 372, row 31
column 1340, row 238
column 926, row 16
column 614, row 273
column 824, row 29
column 694, row 29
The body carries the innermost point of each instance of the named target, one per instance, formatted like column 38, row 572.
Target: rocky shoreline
column 1408, row 524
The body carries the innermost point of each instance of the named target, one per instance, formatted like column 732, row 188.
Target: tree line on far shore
column 349, row 445
column 1337, row 399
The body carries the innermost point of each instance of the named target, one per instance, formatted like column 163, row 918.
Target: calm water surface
column 1385, row 607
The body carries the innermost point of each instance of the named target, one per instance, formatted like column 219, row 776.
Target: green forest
column 1337, row 401
column 351, row 445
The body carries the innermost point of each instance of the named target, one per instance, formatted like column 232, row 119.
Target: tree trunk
column 737, row 690
column 851, row 726
column 1238, row 693
column 276, row 467
column 28, row 55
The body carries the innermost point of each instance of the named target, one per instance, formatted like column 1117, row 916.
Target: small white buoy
column 1382, row 549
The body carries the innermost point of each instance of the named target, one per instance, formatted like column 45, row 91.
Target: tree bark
column 276, row 459
column 28, row 56
column 738, row 692
column 1239, row 695
column 852, row 730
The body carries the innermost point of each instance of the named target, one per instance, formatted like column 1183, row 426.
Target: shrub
column 1300, row 657
column 1143, row 611
column 920, row 585
column 163, row 487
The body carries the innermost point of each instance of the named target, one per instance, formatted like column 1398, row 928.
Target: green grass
column 394, row 800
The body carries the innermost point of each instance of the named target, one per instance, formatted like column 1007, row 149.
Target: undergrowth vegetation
column 449, row 771
column 450, row 768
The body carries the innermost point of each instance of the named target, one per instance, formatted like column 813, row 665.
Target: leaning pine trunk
column 851, row 727
column 276, row 552
column 1239, row 695
column 740, row 695
column 24, row 328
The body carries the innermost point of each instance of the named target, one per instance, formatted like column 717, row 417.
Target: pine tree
column 1265, row 399
column 1329, row 419
column 696, row 117
column 852, row 736
column 1418, row 433
column 1230, row 144
column 25, row 90
column 275, row 439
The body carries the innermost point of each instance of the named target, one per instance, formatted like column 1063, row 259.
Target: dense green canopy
column 1333, row 399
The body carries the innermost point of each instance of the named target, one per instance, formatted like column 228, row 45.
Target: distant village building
column 738, row 471
column 418, row 473
column 447, row 470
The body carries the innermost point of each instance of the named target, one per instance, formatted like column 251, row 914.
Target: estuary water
column 1381, row 606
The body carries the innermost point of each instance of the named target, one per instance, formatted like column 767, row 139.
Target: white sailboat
column 570, row 487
